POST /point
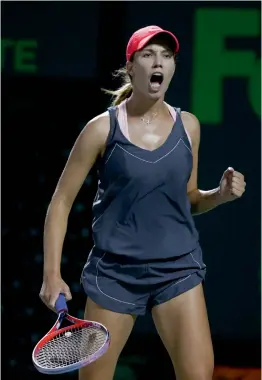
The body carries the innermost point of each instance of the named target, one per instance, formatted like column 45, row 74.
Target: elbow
column 194, row 197
column 59, row 205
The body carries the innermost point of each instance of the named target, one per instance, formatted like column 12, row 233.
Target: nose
column 158, row 62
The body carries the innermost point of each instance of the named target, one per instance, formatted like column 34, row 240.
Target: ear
column 174, row 70
column 129, row 68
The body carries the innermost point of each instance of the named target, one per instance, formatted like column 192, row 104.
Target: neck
column 139, row 105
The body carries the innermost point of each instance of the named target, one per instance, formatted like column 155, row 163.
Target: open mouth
column 156, row 80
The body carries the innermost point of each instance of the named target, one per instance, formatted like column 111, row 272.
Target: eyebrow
column 153, row 51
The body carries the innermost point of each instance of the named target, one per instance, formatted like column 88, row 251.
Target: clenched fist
column 51, row 288
column 232, row 185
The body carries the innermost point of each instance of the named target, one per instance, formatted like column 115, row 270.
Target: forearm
column 203, row 201
column 54, row 235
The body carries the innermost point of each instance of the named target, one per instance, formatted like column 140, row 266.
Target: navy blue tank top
column 141, row 209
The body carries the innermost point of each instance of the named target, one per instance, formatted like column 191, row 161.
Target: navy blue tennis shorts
column 132, row 287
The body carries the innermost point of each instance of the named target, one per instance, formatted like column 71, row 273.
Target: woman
column 146, row 254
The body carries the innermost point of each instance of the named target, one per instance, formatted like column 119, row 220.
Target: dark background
column 52, row 90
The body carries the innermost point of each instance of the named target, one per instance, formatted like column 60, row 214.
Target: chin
column 156, row 95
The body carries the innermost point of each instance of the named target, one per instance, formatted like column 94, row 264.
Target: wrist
column 220, row 198
column 51, row 273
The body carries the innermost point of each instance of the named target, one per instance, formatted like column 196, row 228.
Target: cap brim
column 172, row 38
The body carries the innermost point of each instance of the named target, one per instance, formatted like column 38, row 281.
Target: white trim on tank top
column 123, row 123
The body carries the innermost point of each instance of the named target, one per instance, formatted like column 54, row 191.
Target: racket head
column 70, row 348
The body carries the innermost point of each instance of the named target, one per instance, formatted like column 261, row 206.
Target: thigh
column 183, row 326
column 120, row 327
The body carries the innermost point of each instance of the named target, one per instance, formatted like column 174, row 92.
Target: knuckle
column 42, row 296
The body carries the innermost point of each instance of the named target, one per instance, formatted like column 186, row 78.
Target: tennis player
column 146, row 254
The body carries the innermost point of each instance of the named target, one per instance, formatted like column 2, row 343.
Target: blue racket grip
column 60, row 304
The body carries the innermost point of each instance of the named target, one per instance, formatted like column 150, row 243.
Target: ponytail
column 122, row 92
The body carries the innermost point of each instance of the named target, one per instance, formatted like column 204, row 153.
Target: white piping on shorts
column 115, row 299
column 195, row 260
column 183, row 279
column 129, row 303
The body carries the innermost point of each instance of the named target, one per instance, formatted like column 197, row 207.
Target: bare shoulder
column 190, row 122
column 88, row 146
column 192, row 125
column 97, row 128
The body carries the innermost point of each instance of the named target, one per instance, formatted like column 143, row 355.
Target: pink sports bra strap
column 122, row 119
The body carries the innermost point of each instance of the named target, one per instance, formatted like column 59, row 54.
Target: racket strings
column 71, row 347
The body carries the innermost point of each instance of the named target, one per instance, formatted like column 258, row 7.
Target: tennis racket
column 65, row 349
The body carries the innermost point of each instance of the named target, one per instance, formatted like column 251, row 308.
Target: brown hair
column 124, row 91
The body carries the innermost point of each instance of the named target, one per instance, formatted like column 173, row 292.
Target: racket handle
column 60, row 304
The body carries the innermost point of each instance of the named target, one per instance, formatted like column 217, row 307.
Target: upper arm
column 87, row 148
column 192, row 126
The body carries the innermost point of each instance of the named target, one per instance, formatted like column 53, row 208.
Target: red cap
column 141, row 37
